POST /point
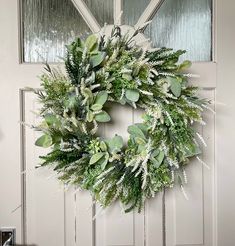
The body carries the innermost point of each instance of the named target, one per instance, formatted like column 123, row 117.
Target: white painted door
column 45, row 213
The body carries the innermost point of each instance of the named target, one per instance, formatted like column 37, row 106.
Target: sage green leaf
column 96, row 157
column 104, row 161
column 103, row 117
column 44, row 141
column 160, row 157
column 88, row 93
column 115, row 144
column 91, row 79
column 185, row 65
column 139, row 140
column 127, row 76
column 155, row 153
column 141, row 149
column 97, row 59
column 103, row 146
column 101, row 97
column 51, row 119
column 132, row 95
column 136, row 71
column 71, row 102
column 143, row 127
column 192, row 150
column 91, row 42
column 175, row 86
column 135, row 131
column 96, row 107
column 89, row 116
column 122, row 101
column 155, row 162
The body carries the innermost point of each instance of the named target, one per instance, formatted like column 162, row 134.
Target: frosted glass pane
column 48, row 25
column 183, row 24
column 102, row 10
column 132, row 10
column 178, row 24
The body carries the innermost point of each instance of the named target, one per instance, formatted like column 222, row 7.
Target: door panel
column 47, row 214
column 191, row 222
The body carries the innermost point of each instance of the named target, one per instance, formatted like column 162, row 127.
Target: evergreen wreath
column 116, row 70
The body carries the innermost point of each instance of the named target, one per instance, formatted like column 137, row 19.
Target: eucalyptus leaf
column 115, row 144
column 160, row 157
column 103, row 117
column 91, row 42
column 192, row 150
column 51, row 119
column 44, row 141
column 97, row 59
column 141, row 148
column 127, row 76
column 143, row 127
column 132, row 95
column 96, row 107
column 122, row 101
column 155, row 153
column 88, row 93
column 90, row 116
column 135, row 131
column 139, row 140
column 104, row 161
column 175, row 86
column 96, row 157
column 185, row 65
column 103, row 146
column 71, row 102
column 101, row 97
column 155, row 162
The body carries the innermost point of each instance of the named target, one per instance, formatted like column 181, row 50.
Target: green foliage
column 115, row 144
column 175, row 86
column 104, row 70
column 44, row 141
column 103, row 117
column 132, row 95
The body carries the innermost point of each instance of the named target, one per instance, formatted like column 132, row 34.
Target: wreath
column 105, row 70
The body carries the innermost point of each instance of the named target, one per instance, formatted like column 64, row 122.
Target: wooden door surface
column 45, row 213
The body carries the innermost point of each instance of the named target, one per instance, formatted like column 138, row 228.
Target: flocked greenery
column 114, row 69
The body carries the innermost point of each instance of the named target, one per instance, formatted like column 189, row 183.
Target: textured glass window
column 132, row 11
column 102, row 10
column 178, row 24
column 48, row 25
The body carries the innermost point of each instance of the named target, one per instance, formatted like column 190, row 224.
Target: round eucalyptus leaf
column 132, row 95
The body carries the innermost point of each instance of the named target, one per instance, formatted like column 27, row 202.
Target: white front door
column 44, row 212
